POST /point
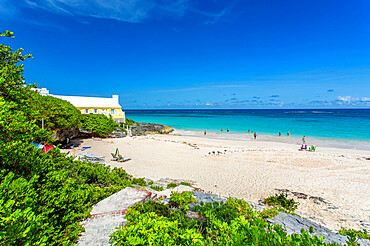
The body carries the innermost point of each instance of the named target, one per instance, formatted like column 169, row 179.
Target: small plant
column 157, row 187
column 353, row 233
column 185, row 183
column 139, row 181
column 181, row 200
column 282, row 201
column 268, row 213
column 311, row 230
column 171, row 185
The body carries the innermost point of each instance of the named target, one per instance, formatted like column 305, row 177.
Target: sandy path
column 253, row 170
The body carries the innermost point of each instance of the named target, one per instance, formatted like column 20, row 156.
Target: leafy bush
column 229, row 223
column 157, row 187
column 185, row 183
column 181, row 200
column 139, row 181
column 43, row 197
column 282, row 201
column 354, row 234
column 98, row 124
column 171, row 185
column 57, row 113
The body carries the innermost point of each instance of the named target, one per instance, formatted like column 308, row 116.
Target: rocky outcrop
column 293, row 224
column 118, row 133
column 62, row 135
column 140, row 129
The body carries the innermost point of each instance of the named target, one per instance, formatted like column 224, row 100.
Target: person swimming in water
column 279, row 134
column 205, row 132
column 255, row 135
column 288, row 133
column 222, row 129
column 227, row 130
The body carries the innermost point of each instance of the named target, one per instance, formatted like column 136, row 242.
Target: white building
column 93, row 105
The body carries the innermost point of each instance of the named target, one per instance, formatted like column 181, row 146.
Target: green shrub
column 99, row 124
column 181, row 200
column 43, row 197
column 185, row 183
column 282, row 201
column 354, row 233
column 58, row 114
column 139, row 181
column 171, row 185
column 229, row 223
column 157, row 187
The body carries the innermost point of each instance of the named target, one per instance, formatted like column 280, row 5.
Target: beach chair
column 114, row 157
column 123, row 158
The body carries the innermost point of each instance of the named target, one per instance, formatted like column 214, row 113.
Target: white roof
column 91, row 102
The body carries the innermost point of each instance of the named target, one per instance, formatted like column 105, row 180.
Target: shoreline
column 341, row 144
column 253, row 170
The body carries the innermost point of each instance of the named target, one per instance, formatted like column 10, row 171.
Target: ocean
column 324, row 124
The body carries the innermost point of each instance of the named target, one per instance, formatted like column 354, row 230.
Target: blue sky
column 197, row 54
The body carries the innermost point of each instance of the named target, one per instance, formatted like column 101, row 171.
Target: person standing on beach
column 255, row 135
column 304, row 140
column 205, row 132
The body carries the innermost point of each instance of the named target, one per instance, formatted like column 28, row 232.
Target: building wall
column 117, row 114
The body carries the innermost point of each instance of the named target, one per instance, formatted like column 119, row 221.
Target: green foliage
column 354, row 234
column 181, row 200
column 171, row 185
column 268, row 213
column 185, row 183
column 151, row 229
column 98, row 124
column 282, row 201
column 57, row 113
column 157, row 187
column 43, row 197
column 229, row 223
column 139, row 181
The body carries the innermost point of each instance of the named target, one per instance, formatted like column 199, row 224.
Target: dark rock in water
column 62, row 135
column 140, row 129
column 293, row 225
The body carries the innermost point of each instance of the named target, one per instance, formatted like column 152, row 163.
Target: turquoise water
column 326, row 124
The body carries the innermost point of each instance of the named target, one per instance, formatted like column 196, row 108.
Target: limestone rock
column 141, row 129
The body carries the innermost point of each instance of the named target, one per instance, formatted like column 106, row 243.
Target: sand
column 253, row 170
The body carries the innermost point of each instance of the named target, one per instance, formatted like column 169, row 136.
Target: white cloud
column 122, row 10
column 352, row 101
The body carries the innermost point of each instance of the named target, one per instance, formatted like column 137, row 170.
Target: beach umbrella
column 117, row 152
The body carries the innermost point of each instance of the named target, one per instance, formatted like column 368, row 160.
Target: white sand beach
column 253, row 170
